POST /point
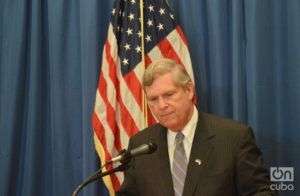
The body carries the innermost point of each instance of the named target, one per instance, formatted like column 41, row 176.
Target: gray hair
column 164, row 66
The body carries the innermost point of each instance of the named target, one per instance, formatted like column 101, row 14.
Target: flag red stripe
column 127, row 121
column 99, row 130
column 110, row 112
column 167, row 50
column 112, row 66
column 151, row 119
column 126, row 118
column 135, row 87
column 147, row 60
column 181, row 34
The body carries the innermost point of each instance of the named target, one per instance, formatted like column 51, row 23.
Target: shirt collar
column 189, row 129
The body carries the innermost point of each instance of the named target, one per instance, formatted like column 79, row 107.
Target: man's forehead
column 159, row 90
column 166, row 77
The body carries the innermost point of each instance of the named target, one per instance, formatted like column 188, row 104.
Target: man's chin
column 170, row 126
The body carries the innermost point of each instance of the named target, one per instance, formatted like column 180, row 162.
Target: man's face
column 172, row 105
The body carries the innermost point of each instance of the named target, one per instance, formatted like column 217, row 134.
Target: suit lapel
column 201, row 149
column 165, row 177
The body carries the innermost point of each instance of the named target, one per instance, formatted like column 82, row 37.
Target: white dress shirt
column 188, row 132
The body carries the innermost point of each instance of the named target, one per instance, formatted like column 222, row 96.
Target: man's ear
column 190, row 88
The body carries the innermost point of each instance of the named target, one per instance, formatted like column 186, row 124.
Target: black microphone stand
column 100, row 174
column 125, row 158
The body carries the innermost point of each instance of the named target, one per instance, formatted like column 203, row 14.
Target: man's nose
column 162, row 103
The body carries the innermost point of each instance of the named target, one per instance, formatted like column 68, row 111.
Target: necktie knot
column 179, row 138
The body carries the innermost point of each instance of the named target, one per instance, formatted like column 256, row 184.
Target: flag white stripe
column 139, row 72
column 110, row 90
column 130, row 102
column 181, row 50
column 111, row 94
column 125, row 92
column 155, row 54
column 100, row 111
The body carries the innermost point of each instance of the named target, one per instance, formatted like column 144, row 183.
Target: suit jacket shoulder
column 220, row 124
column 146, row 135
column 225, row 128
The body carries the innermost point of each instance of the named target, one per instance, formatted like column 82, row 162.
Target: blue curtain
column 246, row 57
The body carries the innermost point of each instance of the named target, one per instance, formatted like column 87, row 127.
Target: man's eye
column 169, row 94
column 152, row 99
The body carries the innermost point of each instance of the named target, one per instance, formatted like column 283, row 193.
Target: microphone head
column 140, row 150
column 152, row 147
column 143, row 149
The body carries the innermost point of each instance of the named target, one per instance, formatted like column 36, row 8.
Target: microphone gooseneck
column 124, row 158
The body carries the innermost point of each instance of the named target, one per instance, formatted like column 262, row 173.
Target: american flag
column 120, row 110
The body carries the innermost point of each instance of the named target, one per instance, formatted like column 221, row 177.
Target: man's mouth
column 167, row 114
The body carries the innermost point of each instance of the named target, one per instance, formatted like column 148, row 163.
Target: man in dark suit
column 197, row 153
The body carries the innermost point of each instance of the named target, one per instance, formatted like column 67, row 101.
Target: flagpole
column 144, row 108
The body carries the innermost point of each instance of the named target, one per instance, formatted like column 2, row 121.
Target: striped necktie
column 179, row 165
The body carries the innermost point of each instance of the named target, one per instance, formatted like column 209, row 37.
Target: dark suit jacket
column 231, row 162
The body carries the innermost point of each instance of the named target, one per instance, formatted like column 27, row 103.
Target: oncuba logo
column 284, row 175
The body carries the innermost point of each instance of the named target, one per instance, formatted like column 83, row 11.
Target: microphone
column 140, row 150
column 124, row 158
